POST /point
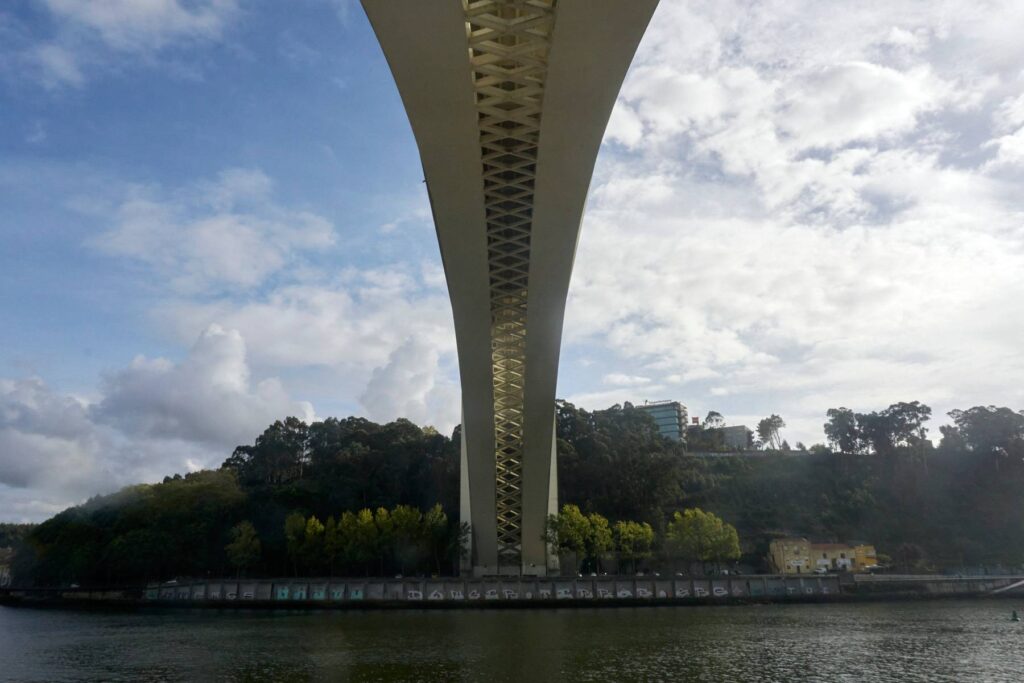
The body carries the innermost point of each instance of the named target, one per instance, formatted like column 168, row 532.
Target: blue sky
column 212, row 216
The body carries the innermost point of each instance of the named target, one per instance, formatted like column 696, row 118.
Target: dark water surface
column 953, row 640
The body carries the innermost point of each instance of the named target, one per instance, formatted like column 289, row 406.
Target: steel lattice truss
column 508, row 49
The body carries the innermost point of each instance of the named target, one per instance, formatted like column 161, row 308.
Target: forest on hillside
column 957, row 503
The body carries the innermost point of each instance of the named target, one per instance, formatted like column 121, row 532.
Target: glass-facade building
column 670, row 416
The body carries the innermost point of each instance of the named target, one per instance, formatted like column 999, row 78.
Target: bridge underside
column 508, row 101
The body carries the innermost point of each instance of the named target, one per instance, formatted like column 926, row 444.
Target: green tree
column 633, row 541
column 279, row 455
column 907, row 422
column 435, row 528
column 841, row 430
column 408, row 536
column 313, row 544
column 295, row 535
column 365, row 541
column 725, row 542
column 385, row 535
column 569, row 531
column 697, row 536
column 987, row 429
column 768, row 431
column 599, row 538
column 334, row 543
column 348, row 532
column 244, row 549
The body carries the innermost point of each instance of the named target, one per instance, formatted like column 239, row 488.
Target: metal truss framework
column 509, row 42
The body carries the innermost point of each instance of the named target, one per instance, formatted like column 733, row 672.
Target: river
column 949, row 640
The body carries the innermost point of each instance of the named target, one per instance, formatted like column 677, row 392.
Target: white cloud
column 97, row 34
column 59, row 65
column 799, row 214
column 1010, row 149
column 356, row 320
column 150, row 419
column 206, row 398
column 139, row 25
column 45, row 438
column 855, row 101
column 412, row 385
column 228, row 233
column 619, row 379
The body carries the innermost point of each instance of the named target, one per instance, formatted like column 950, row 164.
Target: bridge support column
column 508, row 101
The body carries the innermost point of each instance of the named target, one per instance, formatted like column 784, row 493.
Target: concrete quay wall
column 362, row 593
column 503, row 590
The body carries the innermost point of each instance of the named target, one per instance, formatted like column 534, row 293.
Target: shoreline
column 474, row 594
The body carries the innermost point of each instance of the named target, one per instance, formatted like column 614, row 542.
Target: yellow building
column 799, row 556
column 864, row 557
column 790, row 556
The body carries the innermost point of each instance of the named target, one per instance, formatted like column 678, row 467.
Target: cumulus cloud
column 225, row 233
column 206, row 398
column 355, row 319
column 364, row 328
column 795, row 211
column 150, row 419
column 45, row 438
column 412, row 385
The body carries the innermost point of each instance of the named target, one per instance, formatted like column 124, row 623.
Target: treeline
column 12, row 534
column 692, row 536
column 403, row 540
column 882, row 481
column 185, row 525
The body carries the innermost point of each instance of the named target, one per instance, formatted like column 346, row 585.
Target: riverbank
column 512, row 593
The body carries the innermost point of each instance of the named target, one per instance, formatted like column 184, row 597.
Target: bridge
column 508, row 102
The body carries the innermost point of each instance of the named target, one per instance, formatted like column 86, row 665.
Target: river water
column 949, row 640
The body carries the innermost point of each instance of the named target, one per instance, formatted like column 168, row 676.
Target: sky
column 212, row 216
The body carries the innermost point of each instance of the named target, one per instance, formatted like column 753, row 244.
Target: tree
column 901, row 425
column 294, row 534
column 687, row 536
column 279, row 455
column 408, row 535
column 714, row 420
column 385, row 535
column 907, row 422
column 244, row 548
column 697, row 536
column 986, row 429
column 768, row 431
column 365, row 538
column 313, row 543
column 348, row 537
column 569, row 531
column 334, row 543
column 599, row 539
column 725, row 544
column 633, row 540
column 841, row 430
column 435, row 527
column 876, row 432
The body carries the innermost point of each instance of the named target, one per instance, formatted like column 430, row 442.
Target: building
column 790, row 556
column 799, row 556
column 508, row 101
column 670, row 416
column 737, row 438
